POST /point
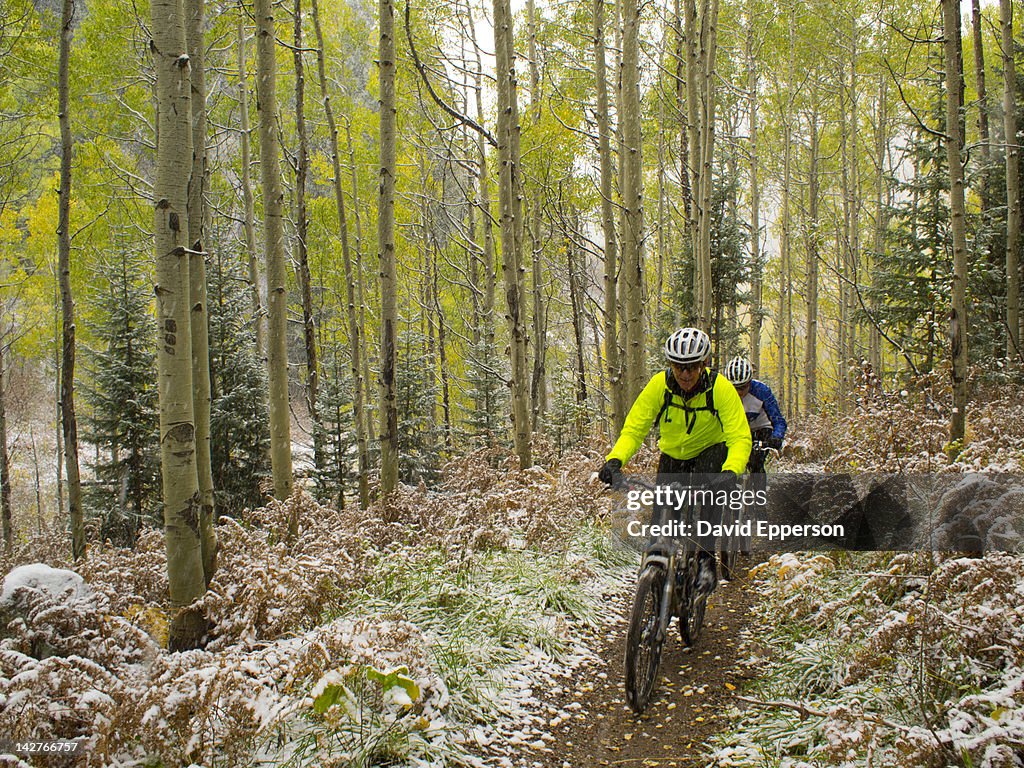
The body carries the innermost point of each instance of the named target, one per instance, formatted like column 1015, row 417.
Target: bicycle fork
column 666, row 609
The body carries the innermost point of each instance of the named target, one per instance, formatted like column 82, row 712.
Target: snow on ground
column 886, row 659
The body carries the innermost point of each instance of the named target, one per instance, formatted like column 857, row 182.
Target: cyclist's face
column 742, row 389
column 686, row 375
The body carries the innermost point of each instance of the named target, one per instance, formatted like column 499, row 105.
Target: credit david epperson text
column 762, row 529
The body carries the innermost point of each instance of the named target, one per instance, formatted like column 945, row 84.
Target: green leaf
column 395, row 678
column 328, row 698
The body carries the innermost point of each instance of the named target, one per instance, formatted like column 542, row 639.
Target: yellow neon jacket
column 706, row 431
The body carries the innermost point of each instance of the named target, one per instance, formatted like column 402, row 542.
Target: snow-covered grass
column 487, row 626
column 412, row 633
column 885, row 660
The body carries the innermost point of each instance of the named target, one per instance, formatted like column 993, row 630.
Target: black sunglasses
column 686, row 367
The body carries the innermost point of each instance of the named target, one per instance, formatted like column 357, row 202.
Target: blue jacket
column 763, row 409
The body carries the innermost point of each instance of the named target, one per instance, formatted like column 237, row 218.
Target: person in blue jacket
column 767, row 424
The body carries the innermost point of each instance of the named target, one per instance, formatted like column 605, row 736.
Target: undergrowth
column 377, row 637
column 886, row 660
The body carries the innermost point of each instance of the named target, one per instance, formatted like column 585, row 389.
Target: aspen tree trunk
column 354, row 328
column 67, row 370
column 842, row 259
column 611, row 334
column 273, row 247
column 632, row 202
column 249, row 215
column 755, row 207
column 199, row 311
column 881, row 217
column 511, row 224
column 709, row 47
column 979, row 80
column 811, row 289
column 664, row 224
column 576, row 303
column 854, row 197
column 682, row 103
column 386, row 251
column 781, row 324
column 484, row 202
column 301, row 252
column 954, row 140
column 732, row 215
column 427, row 286
column 442, row 360
column 474, row 253
column 59, row 432
column 620, row 153
column 371, row 435
column 693, row 158
column 599, row 362
column 6, row 510
column 177, row 421
column 539, row 392
column 1013, row 209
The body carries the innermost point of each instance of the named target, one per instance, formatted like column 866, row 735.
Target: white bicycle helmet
column 687, row 345
column 739, row 371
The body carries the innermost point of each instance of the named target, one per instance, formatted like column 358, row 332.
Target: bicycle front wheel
column 643, row 647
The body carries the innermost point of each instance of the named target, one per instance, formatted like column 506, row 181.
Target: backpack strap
column 672, row 388
column 712, row 378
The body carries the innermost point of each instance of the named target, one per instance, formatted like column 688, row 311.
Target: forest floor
column 697, row 689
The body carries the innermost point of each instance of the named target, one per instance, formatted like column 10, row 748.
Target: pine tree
column 416, row 392
column 486, row 374
column 912, row 276
column 569, row 417
column 124, row 422
column 729, row 270
column 239, row 431
column 337, row 439
column 729, row 265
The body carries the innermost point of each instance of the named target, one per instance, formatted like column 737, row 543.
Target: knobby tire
column 691, row 606
column 643, row 649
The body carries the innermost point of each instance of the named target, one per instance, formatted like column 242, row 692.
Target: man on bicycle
column 767, row 425
column 703, row 428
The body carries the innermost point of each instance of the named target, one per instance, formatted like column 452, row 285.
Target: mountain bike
column 666, row 588
column 735, row 544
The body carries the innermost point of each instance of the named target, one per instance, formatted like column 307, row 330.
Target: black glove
column 607, row 473
column 774, row 442
column 724, row 481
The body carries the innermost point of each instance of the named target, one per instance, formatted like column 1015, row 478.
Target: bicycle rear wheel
column 729, row 544
column 691, row 606
column 643, row 648
column 728, row 565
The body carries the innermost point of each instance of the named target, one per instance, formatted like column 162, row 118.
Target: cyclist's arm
column 639, row 420
column 771, row 407
column 735, row 427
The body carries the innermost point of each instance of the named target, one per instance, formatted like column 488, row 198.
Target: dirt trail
column 696, row 689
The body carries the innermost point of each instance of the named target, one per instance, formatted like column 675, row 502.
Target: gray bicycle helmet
column 739, row 371
column 687, row 345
